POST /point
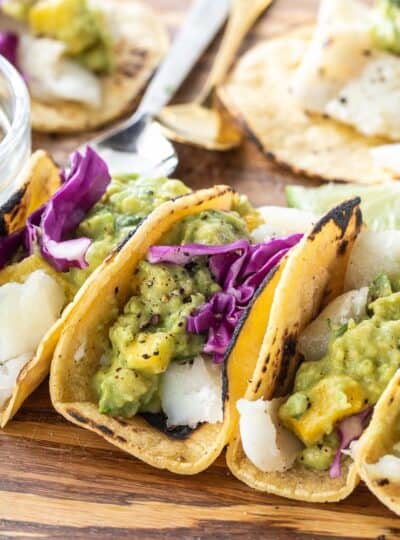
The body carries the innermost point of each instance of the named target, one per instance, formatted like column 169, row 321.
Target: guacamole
column 83, row 30
column 151, row 332
column 386, row 28
column 128, row 200
column 361, row 360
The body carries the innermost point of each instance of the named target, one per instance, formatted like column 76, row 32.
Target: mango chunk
column 330, row 400
column 149, row 353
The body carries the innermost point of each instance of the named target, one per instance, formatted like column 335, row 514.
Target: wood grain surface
column 59, row 481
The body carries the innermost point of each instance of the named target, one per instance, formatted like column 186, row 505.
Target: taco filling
column 164, row 353
column 350, row 355
column 45, row 263
column 388, row 465
column 84, row 61
column 72, row 42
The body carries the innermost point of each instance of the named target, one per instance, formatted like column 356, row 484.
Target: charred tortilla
column 185, row 451
column 258, row 95
column 312, row 276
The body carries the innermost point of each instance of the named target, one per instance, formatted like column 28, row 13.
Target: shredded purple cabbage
column 9, row 47
column 239, row 268
column 49, row 226
column 349, row 429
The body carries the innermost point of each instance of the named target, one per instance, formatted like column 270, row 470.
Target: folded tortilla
column 41, row 180
column 258, row 95
column 71, row 374
column 377, row 442
column 312, row 277
column 136, row 60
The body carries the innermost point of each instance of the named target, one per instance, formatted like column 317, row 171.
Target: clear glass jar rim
column 20, row 96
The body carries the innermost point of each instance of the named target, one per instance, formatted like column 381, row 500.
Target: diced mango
column 150, row 353
column 69, row 21
column 331, row 399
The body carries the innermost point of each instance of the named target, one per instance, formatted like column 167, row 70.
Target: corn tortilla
column 257, row 93
column 311, row 278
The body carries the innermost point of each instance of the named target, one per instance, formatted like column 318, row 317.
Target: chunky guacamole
column 361, row 360
column 151, row 332
column 128, row 200
column 82, row 29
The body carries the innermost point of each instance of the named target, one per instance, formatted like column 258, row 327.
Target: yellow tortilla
column 136, row 60
column 312, row 276
column 377, row 441
column 41, row 181
column 71, row 373
column 258, row 95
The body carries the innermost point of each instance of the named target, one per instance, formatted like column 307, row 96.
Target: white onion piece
column 191, row 393
column 266, row 443
column 51, row 76
column 374, row 253
column 313, row 341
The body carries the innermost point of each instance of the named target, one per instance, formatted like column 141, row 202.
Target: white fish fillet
column 267, row 444
column 191, row 393
column 52, row 76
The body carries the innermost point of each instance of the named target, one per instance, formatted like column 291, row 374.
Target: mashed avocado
column 361, row 360
column 386, row 28
column 129, row 199
column 151, row 331
column 83, row 30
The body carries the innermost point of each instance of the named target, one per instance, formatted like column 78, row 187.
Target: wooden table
column 59, row 481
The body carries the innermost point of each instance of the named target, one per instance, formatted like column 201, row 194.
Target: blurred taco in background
column 377, row 455
column 157, row 365
column 84, row 61
column 323, row 99
column 296, row 438
column 55, row 231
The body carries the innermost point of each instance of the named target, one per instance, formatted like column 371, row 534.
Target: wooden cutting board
column 60, row 481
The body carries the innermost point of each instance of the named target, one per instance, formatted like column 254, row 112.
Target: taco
column 322, row 100
column 377, row 454
column 156, row 368
column 84, row 61
column 295, row 437
column 55, row 231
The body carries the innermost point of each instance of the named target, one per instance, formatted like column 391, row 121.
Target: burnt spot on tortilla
column 10, row 207
column 382, row 482
column 342, row 248
column 391, row 400
column 265, row 365
column 104, row 429
column 257, row 387
column 288, row 353
column 120, row 439
column 127, row 237
column 159, row 421
column 78, row 417
column 341, row 215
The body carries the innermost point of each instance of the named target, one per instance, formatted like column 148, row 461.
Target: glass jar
column 15, row 130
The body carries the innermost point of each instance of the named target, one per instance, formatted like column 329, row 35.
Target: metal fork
column 137, row 144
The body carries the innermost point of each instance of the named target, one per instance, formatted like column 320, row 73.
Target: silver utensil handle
column 202, row 24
